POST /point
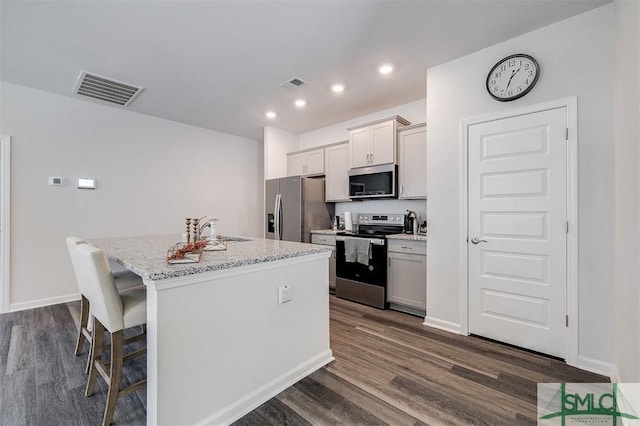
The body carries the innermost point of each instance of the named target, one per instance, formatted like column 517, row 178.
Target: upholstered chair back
column 99, row 287
column 72, row 242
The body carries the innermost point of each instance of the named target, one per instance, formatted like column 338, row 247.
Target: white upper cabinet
column 412, row 162
column 336, row 160
column 374, row 143
column 309, row 162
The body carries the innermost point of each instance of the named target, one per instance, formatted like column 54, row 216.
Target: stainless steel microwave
column 373, row 182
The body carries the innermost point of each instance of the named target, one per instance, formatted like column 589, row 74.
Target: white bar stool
column 114, row 312
column 125, row 281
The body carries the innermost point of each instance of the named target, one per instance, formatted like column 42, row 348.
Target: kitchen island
column 219, row 343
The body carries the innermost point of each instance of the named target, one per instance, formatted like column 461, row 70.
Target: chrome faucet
column 210, row 223
column 202, row 227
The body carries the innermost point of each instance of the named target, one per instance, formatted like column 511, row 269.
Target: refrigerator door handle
column 279, row 237
column 276, row 217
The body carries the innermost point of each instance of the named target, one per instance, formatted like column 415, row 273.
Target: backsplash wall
column 383, row 206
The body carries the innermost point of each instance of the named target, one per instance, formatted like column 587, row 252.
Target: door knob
column 476, row 240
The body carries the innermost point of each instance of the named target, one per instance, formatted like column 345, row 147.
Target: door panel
column 295, row 164
column 271, row 189
column 517, row 204
column 382, row 146
column 291, row 191
column 360, row 146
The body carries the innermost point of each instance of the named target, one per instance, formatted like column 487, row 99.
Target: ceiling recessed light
column 270, row 114
column 337, row 88
column 300, row 103
column 385, row 68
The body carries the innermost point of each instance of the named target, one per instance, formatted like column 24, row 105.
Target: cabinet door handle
column 402, row 189
column 407, row 248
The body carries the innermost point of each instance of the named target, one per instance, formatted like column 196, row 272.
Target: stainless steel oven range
column 361, row 259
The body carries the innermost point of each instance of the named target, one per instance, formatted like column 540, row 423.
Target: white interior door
column 517, row 189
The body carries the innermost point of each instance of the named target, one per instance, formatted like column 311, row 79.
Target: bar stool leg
column 97, row 337
column 87, row 368
column 84, row 316
column 117, row 342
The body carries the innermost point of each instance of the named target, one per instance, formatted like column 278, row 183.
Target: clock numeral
column 493, row 82
column 526, row 67
column 495, row 89
column 510, row 92
column 519, row 89
column 497, row 74
column 526, row 82
column 530, row 74
column 503, row 68
column 512, row 63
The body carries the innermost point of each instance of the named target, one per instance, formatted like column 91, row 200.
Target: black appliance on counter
column 365, row 280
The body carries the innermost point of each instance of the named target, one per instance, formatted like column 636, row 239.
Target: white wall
column 415, row 112
column 627, row 191
column 151, row 174
column 277, row 143
column 576, row 57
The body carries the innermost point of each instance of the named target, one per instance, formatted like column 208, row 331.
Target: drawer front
column 407, row 246
column 328, row 240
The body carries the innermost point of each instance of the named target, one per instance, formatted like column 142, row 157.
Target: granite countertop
column 145, row 255
column 411, row 237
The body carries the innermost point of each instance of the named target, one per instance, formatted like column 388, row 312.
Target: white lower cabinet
column 407, row 276
column 328, row 240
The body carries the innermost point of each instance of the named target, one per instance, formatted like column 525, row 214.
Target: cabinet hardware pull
column 408, row 248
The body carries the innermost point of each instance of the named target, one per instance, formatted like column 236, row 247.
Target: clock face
column 512, row 77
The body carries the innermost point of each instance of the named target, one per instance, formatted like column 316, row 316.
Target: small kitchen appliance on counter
column 410, row 223
column 365, row 279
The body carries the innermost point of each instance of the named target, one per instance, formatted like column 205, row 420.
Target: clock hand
column 513, row 73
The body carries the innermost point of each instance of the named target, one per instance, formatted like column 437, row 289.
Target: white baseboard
column 258, row 397
column 31, row 304
column 451, row 327
column 599, row 367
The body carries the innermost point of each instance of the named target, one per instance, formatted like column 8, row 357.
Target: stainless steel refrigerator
column 294, row 206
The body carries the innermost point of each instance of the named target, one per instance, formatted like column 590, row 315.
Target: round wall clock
column 512, row 77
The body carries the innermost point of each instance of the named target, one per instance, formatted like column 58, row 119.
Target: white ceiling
column 219, row 64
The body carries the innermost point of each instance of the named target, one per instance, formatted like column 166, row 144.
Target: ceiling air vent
column 293, row 83
column 106, row 89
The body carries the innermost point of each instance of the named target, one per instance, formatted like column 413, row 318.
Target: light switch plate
column 55, row 181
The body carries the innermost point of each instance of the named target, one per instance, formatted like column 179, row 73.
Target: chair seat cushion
column 134, row 304
column 126, row 280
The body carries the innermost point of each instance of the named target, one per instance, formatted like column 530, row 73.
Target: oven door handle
column 374, row 241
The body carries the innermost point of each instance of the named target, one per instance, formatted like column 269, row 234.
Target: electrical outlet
column 285, row 293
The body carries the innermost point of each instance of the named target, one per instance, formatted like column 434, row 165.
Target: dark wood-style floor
column 389, row 369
